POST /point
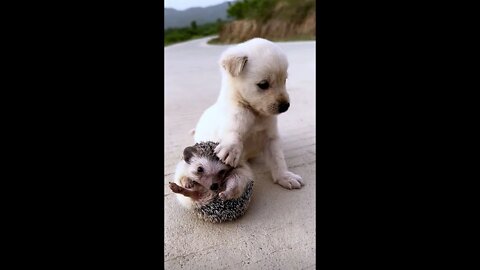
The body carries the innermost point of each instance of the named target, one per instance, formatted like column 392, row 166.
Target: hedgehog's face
column 207, row 171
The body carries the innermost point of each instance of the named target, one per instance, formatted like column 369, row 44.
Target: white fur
column 244, row 118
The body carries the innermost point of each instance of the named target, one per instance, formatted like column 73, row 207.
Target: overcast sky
column 184, row 4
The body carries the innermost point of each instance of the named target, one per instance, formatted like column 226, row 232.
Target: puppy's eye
column 221, row 173
column 263, row 85
column 199, row 169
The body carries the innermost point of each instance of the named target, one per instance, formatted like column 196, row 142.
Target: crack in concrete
column 191, row 253
column 300, row 165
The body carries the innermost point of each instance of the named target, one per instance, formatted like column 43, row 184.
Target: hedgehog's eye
column 199, row 169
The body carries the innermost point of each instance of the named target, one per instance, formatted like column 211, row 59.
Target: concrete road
column 278, row 230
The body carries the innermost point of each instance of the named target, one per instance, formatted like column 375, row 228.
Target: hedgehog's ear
column 188, row 153
column 234, row 64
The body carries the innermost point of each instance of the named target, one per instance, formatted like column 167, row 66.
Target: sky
column 184, row 4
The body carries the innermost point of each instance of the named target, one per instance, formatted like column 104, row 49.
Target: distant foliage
column 263, row 10
column 250, row 9
column 193, row 25
column 174, row 35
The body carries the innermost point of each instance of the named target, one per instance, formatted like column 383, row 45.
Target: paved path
column 278, row 230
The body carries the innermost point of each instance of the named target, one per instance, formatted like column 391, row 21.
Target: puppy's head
column 256, row 71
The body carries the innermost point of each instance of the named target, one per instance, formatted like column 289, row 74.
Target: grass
column 176, row 35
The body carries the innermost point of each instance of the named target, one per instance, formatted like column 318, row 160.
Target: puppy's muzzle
column 283, row 107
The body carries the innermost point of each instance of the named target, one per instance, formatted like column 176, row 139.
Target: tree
column 193, row 24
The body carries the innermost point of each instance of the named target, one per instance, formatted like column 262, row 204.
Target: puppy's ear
column 188, row 153
column 234, row 64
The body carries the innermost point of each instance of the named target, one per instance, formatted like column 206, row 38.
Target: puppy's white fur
column 244, row 118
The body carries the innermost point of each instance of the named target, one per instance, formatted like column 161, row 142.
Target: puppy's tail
column 192, row 132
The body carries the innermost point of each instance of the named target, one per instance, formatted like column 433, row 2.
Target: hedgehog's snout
column 214, row 186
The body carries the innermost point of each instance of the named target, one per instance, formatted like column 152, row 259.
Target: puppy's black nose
column 283, row 107
column 214, row 186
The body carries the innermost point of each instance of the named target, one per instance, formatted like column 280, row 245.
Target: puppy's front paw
column 229, row 153
column 290, row 180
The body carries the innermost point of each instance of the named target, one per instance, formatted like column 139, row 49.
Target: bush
column 263, row 10
column 251, row 9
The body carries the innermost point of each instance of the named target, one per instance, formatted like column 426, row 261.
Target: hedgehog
column 209, row 187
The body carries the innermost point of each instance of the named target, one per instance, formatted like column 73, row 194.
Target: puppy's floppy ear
column 234, row 64
column 188, row 153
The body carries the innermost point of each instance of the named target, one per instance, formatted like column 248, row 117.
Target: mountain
column 182, row 18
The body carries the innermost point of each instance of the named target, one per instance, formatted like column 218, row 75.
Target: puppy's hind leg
column 236, row 182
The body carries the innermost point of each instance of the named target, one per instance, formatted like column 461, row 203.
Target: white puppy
column 244, row 118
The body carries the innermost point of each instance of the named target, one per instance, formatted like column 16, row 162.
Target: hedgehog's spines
column 207, row 149
column 220, row 211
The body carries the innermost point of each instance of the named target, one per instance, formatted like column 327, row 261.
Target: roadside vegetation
column 175, row 35
column 264, row 10
column 261, row 11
